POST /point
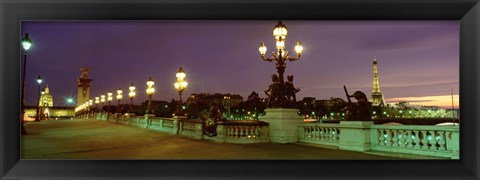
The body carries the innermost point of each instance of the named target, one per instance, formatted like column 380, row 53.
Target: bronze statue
column 84, row 71
column 290, row 89
column 274, row 92
column 360, row 110
column 210, row 124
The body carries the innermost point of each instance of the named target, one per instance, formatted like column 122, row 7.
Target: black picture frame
column 14, row 11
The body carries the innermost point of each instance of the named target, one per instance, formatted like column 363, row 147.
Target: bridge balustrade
column 437, row 141
column 240, row 132
column 441, row 141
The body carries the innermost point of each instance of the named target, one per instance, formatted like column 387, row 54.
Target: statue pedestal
column 355, row 135
column 283, row 124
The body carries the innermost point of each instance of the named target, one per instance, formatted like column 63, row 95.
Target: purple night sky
column 416, row 59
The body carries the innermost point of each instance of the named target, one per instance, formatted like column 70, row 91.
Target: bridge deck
column 93, row 139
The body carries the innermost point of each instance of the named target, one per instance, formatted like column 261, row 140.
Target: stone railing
column 242, row 132
column 191, row 128
column 438, row 141
column 442, row 141
column 327, row 134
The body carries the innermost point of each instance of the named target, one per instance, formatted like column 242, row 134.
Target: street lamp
column 131, row 95
column 119, row 97
column 90, row 103
column 39, row 81
column 180, row 85
column 26, row 43
column 102, row 100
column 97, row 101
column 150, row 90
column 280, row 34
column 109, row 99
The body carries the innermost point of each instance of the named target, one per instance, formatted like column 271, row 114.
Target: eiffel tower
column 377, row 96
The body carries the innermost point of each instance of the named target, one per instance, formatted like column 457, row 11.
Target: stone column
column 283, row 124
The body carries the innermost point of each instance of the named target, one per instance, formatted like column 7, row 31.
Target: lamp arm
column 269, row 59
column 295, row 58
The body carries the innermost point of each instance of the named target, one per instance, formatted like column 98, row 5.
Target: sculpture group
column 281, row 94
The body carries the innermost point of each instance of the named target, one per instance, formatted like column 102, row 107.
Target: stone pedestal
column 283, row 124
column 355, row 135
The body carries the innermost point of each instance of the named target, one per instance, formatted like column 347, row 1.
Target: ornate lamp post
column 109, row 99
column 180, row 85
column 150, row 90
column 281, row 56
column 86, row 109
column 26, row 43
column 90, row 103
column 102, row 100
column 131, row 95
column 39, row 81
column 119, row 98
column 97, row 101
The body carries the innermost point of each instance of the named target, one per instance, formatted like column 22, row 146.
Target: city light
column 69, row 100
column 26, row 42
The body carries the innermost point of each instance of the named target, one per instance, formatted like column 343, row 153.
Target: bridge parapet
column 437, row 141
column 239, row 132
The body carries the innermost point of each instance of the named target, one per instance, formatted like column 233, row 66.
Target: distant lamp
column 119, row 98
column 180, row 86
column 131, row 95
column 26, row 42
column 39, row 81
column 150, row 90
column 109, row 99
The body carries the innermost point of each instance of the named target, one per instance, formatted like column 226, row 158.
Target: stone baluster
column 389, row 137
column 381, row 138
column 332, row 134
column 424, row 140
column 324, row 134
column 229, row 131
column 310, row 132
column 242, row 131
column 441, row 141
column 432, row 141
column 236, row 132
column 417, row 140
column 409, row 139
column 335, row 135
column 402, row 138
column 394, row 138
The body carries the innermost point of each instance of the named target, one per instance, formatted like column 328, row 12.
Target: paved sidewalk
column 93, row 139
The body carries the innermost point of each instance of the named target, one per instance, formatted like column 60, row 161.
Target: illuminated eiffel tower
column 377, row 96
